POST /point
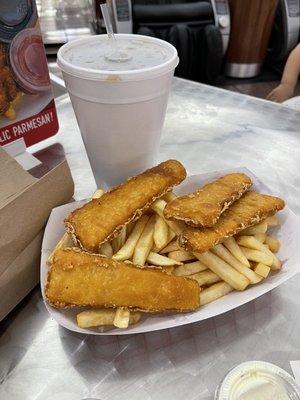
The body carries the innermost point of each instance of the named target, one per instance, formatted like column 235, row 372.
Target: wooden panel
column 252, row 22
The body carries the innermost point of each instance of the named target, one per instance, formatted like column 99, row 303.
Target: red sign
column 33, row 129
column 27, row 108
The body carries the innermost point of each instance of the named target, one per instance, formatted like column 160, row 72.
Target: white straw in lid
column 116, row 54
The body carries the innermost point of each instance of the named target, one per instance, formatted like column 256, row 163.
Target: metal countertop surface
column 206, row 129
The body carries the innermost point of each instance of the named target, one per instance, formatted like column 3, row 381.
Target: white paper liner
column 288, row 234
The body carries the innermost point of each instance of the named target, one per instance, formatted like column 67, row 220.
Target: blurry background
column 240, row 45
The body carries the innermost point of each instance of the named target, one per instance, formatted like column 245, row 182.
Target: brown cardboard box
column 25, row 204
column 21, row 276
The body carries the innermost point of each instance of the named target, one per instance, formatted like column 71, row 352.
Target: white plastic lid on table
column 144, row 57
column 257, row 380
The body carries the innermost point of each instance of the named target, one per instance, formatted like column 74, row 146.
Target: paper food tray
column 289, row 253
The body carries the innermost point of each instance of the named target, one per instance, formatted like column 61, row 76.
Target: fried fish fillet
column 204, row 207
column 102, row 219
column 78, row 278
column 247, row 211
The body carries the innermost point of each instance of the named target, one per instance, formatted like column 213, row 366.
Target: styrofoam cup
column 120, row 113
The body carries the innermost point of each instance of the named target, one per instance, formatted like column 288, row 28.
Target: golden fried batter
column 204, row 207
column 3, row 61
column 247, row 211
column 77, row 278
column 9, row 84
column 8, row 87
column 102, row 219
column 4, row 103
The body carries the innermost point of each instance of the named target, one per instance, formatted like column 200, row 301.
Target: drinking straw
column 107, row 22
column 116, row 54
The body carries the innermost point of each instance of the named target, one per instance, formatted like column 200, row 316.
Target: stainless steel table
column 207, row 129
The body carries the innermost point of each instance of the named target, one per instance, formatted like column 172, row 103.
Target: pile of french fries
column 240, row 261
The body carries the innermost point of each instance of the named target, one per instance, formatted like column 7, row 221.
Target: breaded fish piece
column 205, row 206
column 102, row 219
column 247, row 211
column 78, row 278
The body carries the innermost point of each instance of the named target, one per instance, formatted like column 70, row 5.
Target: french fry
column 223, row 253
column 161, row 232
column 122, row 236
column 126, row 252
column 119, row 240
column 257, row 256
column 231, row 244
column 158, row 259
column 106, row 249
column 129, row 228
column 105, row 317
column 173, row 246
column 115, row 244
column 154, row 249
column 190, row 269
column 225, row 271
column 122, row 317
column 214, row 292
column 158, row 206
column 181, row 255
column 253, row 230
column 65, row 241
column 251, row 243
column 145, row 243
column 277, row 264
column 262, row 270
column 261, row 237
column 273, row 243
column 171, row 235
column 272, row 221
column 170, row 196
column 98, row 194
column 94, row 318
column 205, row 278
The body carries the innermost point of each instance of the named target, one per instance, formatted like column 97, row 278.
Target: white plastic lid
column 257, row 380
column 69, row 64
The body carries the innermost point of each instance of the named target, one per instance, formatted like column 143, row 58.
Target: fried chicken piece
column 77, row 278
column 9, row 84
column 3, row 61
column 204, row 207
column 102, row 219
column 247, row 211
column 4, row 103
column 8, row 87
